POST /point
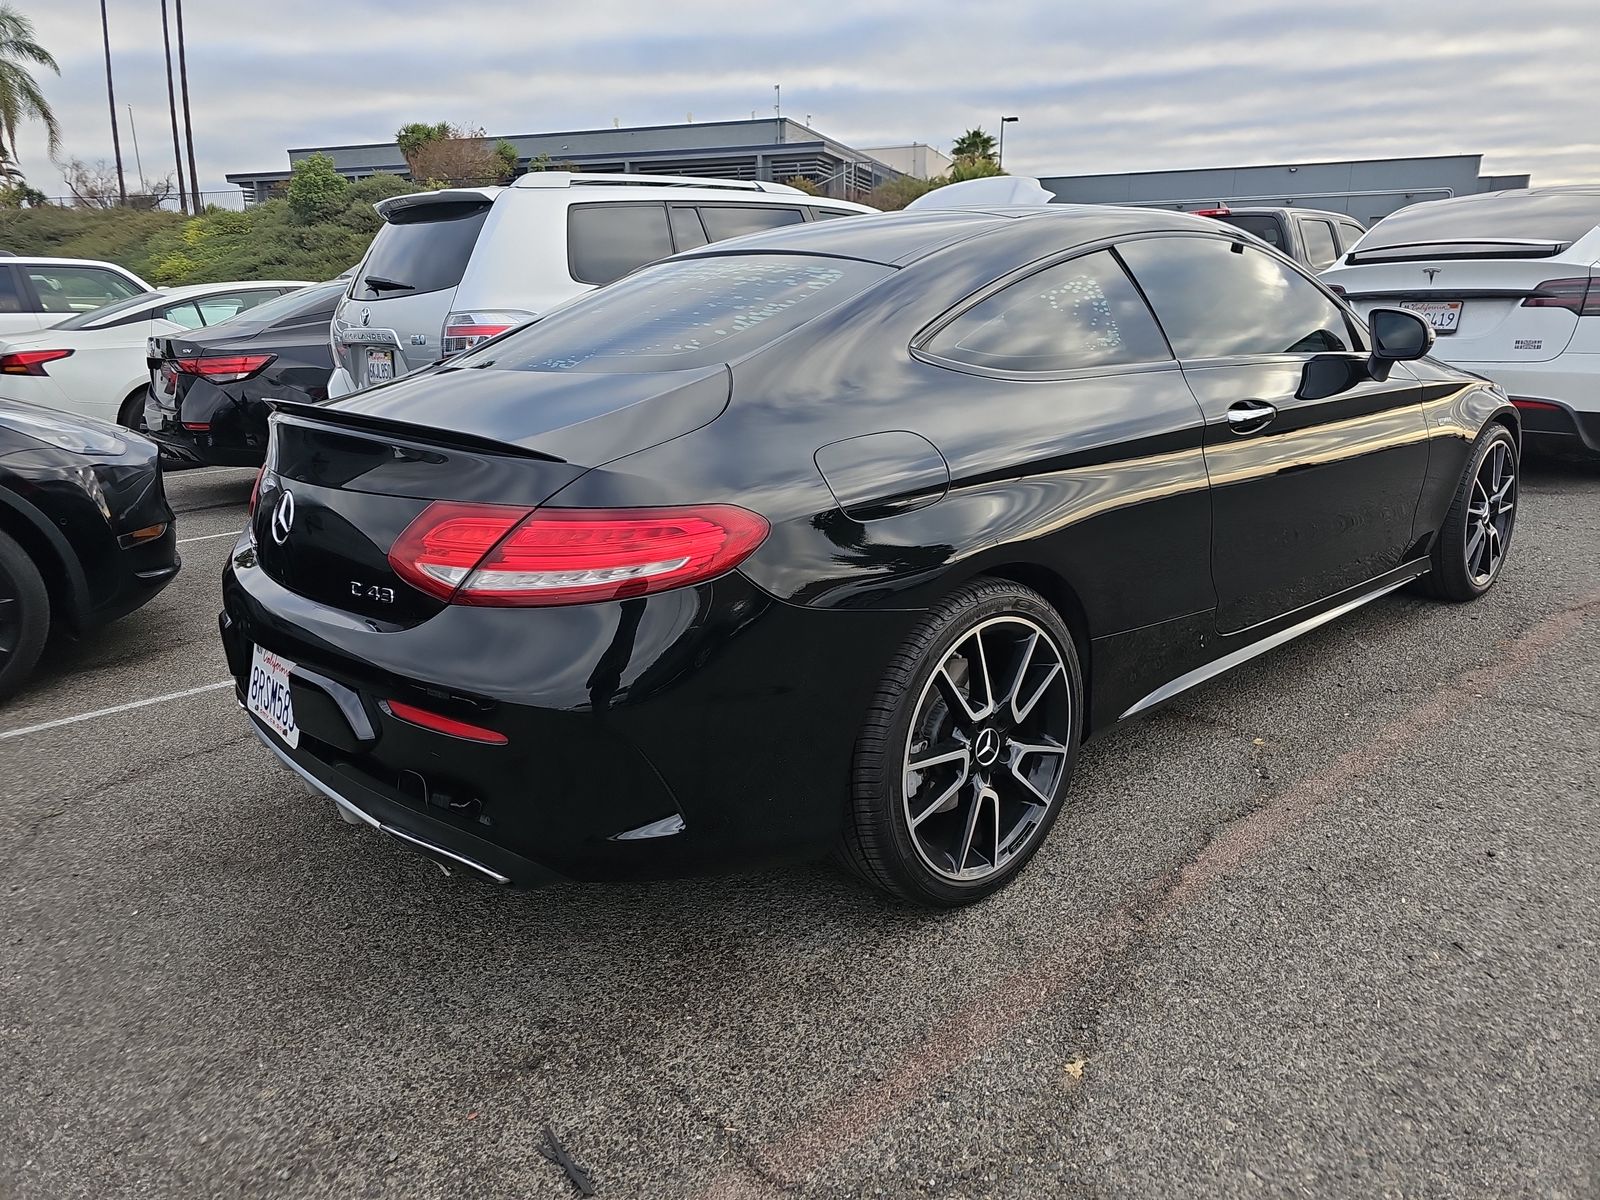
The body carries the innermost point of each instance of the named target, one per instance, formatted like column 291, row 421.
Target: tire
column 1470, row 550
column 24, row 616
column 992, row 752
column 131, row 414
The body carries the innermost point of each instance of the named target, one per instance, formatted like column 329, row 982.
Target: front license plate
column 267, row 698
column 1443, row 315
column 380, row 366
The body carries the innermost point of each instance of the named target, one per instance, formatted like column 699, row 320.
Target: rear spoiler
column 1456, row 248
column 400, row 209
column 425, row 435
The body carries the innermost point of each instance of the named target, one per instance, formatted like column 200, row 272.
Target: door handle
column 1248, row 416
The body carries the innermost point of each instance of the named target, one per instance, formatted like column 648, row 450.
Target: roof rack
column 561, row 179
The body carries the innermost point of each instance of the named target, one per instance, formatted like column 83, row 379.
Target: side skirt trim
column 1255, row 649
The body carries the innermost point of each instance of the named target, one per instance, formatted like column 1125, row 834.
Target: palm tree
column 20, row 97
column 974, row 143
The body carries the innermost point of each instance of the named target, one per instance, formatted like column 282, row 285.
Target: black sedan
column 208, row 399
column 844, row 536
column 86, row 534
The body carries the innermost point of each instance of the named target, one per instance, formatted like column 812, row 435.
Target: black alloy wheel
column 1470, row 551
column 24, row 616
column 964, row 759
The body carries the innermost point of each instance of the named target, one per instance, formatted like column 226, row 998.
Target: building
column 918, row 160
column 773, row 148
column 1367, row 189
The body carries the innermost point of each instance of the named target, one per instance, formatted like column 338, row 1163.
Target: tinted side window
column 1320, row 248
column 1262, row 225
column 1217, row 299
column 409, row 258
column 185, row 314
column 735, row 220
column 1080, row 313
column 10, row 298
column 827, row 214
column 606, row 241
column 687, row 232
column 78, row 289
column 1349, row 234
column 214, row 310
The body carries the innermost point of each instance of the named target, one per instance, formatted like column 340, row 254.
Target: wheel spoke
column 1027, row 783
column 942, row 804
column 971, row 830
column 935, row 756
column 1476, row 543
column 953, row 693
column 983, row 673
column 1021, row 749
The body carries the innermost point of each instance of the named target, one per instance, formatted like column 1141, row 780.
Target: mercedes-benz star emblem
column 987, row 748
column 283, row 518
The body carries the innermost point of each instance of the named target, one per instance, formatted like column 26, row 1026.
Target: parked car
column 94, row 363
column 208, row 401
column 36, row 293
column 1509, row 280
column 86, row 534
column 1310, row 236
column 841, row 534
column 451, row 268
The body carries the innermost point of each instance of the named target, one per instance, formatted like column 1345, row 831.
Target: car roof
column 617, row 187
column 203, row 289
column 1282, row 209
column 900, row 238
column 22, row 260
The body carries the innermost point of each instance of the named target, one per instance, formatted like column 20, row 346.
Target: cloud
column 1135, row 85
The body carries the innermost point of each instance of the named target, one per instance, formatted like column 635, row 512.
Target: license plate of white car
column 1443, row 315
column 380, row 366
column 267, row 695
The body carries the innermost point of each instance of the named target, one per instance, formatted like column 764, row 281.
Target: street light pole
column 172, row 110
column 111, row 99
column 1000, row 158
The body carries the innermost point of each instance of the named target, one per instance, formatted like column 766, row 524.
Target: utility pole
column 111, row 102
column 138, row 161
column 172, row 108
column 777, row 99
column 188, row 125
column 1000, row 160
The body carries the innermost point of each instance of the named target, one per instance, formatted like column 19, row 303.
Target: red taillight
column 441, row 724
column 1544, row 405
column 1222, row 211
column 30, row 362
column 223, row 368
column 255, row 492
column 464, row 330
column 197, row 426
column 488, row 554
column 1580, row 296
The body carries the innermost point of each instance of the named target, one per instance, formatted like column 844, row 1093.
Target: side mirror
column 1397, row 336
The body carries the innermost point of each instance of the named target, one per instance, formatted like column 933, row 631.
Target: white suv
column 452, row 268
column 1509, row 281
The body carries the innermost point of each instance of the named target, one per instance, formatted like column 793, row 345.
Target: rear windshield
column 683, row 314
column 1263, row 226
column 423, row 254
column 287, row 307
column 1483, row 224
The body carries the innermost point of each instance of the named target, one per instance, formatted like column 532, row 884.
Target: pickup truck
column 1311, row 237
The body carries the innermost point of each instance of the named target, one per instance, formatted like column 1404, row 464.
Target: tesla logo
column 366, row 317
column 283, row 518
column 1431, row 273
column 987, row 748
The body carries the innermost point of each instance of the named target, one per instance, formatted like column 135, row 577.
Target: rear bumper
column 1551, row 426
column 689, row 732
column 1570, row 380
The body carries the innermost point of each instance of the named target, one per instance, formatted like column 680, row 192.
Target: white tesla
column 94, row 363
column 1510, row 282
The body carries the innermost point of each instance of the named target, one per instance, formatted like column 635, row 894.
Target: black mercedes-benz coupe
column 841, row 536
column 209, row 397
column 86, row 534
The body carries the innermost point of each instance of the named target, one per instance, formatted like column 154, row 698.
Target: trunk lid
column 345, row 479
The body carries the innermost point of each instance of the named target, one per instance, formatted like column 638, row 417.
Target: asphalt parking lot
column 1329, row 926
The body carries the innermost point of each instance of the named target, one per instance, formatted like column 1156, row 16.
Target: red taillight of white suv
column 497, row 555
column 464, row 330
column 1579, row 295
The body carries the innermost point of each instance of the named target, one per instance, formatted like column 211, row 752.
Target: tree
column 97, row 186
column 20, row 97
column 463, row 157
column 897, row 193
column 316, row 190
column 506, row 155
column 809, row 187
column 972, row 167
column 413, row 137
column 974, row 143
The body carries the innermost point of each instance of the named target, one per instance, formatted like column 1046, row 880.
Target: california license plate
column 380, row 366
column 267, row 696
column 1443, row 315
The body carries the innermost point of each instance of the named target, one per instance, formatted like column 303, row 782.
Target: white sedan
column 94, row 363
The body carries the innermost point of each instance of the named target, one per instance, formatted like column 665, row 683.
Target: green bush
column 317, row 191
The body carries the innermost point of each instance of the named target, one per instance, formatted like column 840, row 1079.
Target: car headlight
column 78, row 436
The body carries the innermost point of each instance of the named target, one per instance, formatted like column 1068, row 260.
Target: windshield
column 682, row 314
column 95, row 318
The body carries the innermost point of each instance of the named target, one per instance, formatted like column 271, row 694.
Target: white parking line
column 106, row 712
column 209, row 537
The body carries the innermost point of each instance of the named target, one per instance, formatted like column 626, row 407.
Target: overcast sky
column 1099, row 86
